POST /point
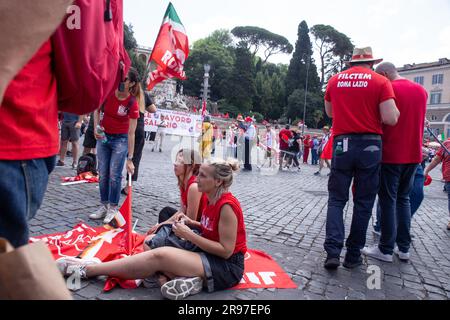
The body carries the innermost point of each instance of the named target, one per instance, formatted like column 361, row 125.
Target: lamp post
column 207, row 68
column 308, row 62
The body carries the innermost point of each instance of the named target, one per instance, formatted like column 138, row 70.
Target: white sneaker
column 112, row 212
column 100, row 213
column 401, row 255
column 67, row 266
column 181, row 288
column 374, row 252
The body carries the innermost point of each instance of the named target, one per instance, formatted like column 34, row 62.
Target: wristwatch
column 130, row 158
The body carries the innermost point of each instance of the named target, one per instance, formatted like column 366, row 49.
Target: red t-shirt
column 445, row 161
column 211, row 217
column 117, row 114
column 283, row 144
column 29, row 111
column 184, row 196
column 355, row 95
column 402, row 143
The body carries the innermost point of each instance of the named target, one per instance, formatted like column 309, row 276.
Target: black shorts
column 89, row 139
column 222, row 274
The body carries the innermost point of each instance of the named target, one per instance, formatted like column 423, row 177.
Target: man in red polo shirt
column 399, row 168
column 359, row 100
column 284, row 136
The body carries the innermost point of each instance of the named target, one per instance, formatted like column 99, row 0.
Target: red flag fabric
column 101, row 244
column 170, row 51
column 88, row 177
column 261, row 271
column 204, row 111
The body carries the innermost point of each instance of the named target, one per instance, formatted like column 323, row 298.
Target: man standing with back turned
column 399, row 168
column 359, row 100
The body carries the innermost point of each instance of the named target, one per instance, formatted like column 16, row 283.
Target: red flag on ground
column 170, row 51
column 124, row 220
column 261, row 271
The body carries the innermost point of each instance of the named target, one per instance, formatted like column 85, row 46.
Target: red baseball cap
column 428, row 181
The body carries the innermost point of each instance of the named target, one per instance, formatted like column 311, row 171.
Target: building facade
column 435, row 78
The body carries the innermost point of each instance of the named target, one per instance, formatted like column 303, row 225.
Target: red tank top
column 211, row 217
column 184, row 197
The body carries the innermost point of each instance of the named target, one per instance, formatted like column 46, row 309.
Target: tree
column 270, row 98
column 130, row 45
column 255, row 38
column 314, row 107
column 241, row 83
column 334, row 48
column 215, row 50
column 301, row 60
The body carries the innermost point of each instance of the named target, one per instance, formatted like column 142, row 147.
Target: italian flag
column 170, row 51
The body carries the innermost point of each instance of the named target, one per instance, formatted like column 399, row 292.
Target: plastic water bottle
column 101, row 132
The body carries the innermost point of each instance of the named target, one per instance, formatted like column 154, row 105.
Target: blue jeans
column 111, row 159
column 22, row 188
column 447, row 187
column 315, row 157
column 396, row 185
column 362, row 163
column 416, row 197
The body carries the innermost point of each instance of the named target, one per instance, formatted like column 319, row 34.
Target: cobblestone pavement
column 285, row 216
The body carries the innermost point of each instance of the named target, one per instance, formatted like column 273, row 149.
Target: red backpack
column 89, row 57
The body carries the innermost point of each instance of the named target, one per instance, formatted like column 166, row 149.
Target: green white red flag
column 170, row 51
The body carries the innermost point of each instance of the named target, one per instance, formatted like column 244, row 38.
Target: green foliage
column 258, row 116
column 270, row 91
column 225, row 107
column 129, row 41
column 130, row 44
column 301, row 64
column 314, row 107
column 217, row 52
column 334, row 48
column 255, row 38
column 240, row 87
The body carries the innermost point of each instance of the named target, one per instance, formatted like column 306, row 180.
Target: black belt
column 115, row 135
column 360, row 136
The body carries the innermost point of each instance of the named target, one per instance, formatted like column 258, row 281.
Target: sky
column 400, row 31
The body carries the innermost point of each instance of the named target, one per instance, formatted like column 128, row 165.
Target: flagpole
column 130, row 245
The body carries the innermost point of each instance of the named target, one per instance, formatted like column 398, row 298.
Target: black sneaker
column 317, row 173
column 332, row 263
column 349, row 264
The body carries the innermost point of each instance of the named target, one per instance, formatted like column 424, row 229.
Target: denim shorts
column 222, row 274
